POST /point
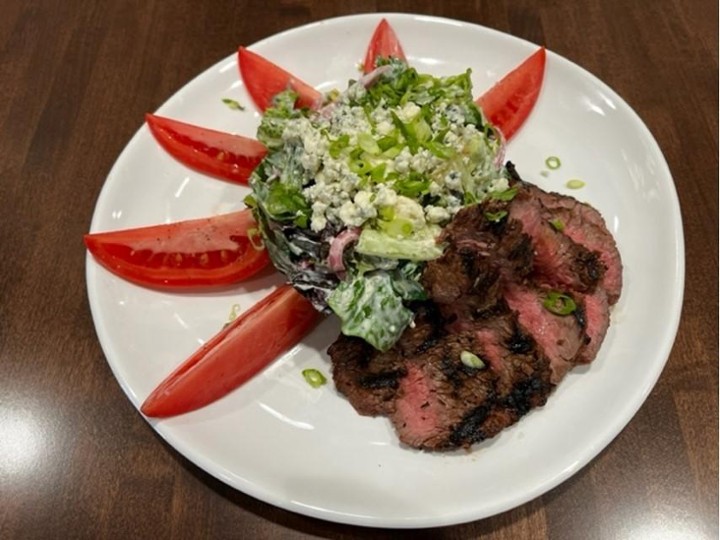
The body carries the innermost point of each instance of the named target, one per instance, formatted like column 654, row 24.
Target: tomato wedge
column 383, row 43
column 235, row 354
column 264, row 80
column 194, row 253
column 219, row 154
column 509, row 102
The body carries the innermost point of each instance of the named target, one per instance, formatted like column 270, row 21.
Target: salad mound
column 352, row 197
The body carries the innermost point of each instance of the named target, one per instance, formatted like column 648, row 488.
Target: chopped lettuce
column 372, row 306
column 388, row 162
column 275, row 119
column 419, row 246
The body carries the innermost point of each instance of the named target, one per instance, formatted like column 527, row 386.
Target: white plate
column 306, row 450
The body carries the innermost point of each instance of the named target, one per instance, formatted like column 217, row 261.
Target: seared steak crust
column 488, row 296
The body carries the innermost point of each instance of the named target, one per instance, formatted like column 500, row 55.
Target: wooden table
column 76, row 78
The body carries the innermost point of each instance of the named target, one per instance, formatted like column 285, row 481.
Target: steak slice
column 370, row 379
column 595, row 310
column 433, row 399
column 585, row 226
column 561, row 337
column 443, row 404
column 466, row 280
column 558, row 260
column 438, row 392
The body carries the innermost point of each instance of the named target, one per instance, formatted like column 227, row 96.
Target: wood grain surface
column 76, row 77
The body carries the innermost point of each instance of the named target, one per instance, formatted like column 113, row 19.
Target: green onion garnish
column 557, row 224
column 507, row 195
column 471, row 360
column 368, row 143
column 378, row 172
column 386, row 213
column 495, row 216
column 553, row 162
column 256, row 239
column 250, row 201
column 314, row 378
column 360, row 166
column 234, row 312
column 559, row 304
column 232, row 104
column 338, row 145
column 575, row 183
column 387, row 142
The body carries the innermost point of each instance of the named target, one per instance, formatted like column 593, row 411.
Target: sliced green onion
column 332, row 95
column 250, row 201
column 360, row 166
column 553, row 162
column 392, row 175
column 413, row 185
column 397, row 228
column 387, row 142
column 557, row 224
column 575, row 183
column 337, row 146
column 378, row 172
column 256, row 239
column 301, row 220
column 471, row 360
column 386, row 213
column 407, row 133
column 313, row 377
column 439, row 150
column 232, row 104
column 393, row 151
column 559, row 303
column 469, row 198
column 368, row 143
column 507, row 195
column 421, row 129
column 544, row 174
column 234, row 312
column 495, row 216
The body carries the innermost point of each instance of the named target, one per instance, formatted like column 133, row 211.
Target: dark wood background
column 76, row 78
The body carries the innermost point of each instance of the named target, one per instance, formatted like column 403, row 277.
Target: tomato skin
column 239, row 351
column 264, row 80
column 187, row 254
column 383, row 43
column 509, row 102
column 219, row 154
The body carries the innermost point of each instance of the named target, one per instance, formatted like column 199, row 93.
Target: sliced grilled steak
column 434, row 400
column 585, row 226
column 443, row 403
column 559, row 336
column 370, row 379
column 558, row 260
column 487, row 296
column 596, row 313
column 467, row 280
column 438, row 392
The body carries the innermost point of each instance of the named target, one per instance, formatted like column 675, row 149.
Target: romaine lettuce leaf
column 371, row 309
column 418, row 246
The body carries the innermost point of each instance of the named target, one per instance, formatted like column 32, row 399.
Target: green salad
column 352, row 197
